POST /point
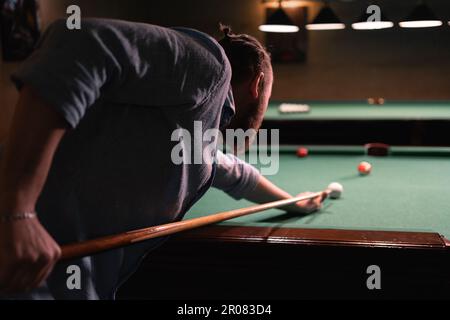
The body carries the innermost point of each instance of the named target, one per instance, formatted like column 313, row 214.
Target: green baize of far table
column 437, row 110
column 406, row 191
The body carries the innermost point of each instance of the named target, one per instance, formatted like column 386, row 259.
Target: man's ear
column 256, row 85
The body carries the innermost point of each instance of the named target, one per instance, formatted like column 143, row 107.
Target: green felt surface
column 364, row 111
column 408, row 191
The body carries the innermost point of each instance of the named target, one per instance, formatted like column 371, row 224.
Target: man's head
column 252, row 78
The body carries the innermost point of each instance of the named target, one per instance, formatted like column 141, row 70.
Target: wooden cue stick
column 89, row 247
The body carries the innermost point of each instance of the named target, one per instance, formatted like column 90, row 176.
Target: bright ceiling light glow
column 325, row 26
column 280, row 28
column 375, row 25
column 421, row 24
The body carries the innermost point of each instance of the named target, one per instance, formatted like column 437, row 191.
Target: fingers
column 35, row 272
column 14, row 284
column 15, row 275
column 21, row 275
column 45, row 272
column 311, row 205
column 42, row 270
column 29, row 276
column 27, row 256
column 40, row 278
column 316, row 203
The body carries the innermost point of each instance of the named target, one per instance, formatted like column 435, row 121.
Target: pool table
column 357, row 122
column 397, row 218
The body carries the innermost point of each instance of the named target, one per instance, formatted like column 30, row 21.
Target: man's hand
column 27, row 255
column 306, row 206
column 266, row 191
column 27, row 252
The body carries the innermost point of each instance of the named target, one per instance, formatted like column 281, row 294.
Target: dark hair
column 246, row 54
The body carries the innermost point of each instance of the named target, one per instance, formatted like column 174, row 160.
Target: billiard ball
column 302, row 152
column 364, row 168
column 380, row 101
column 336, row 190
column 371, row 101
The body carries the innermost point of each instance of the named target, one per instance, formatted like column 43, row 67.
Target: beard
column 250, row 122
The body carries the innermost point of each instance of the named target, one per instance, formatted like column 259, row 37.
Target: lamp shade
column 365, row 23
column 421, row 17
column 326, row 20
column 279, row 22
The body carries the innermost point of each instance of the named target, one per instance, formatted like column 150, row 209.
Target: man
column 89, row 153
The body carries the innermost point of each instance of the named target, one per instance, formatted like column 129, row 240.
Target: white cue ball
column 336, row 190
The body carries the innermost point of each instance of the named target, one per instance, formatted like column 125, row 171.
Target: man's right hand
column 27, row 252
column 27, row 255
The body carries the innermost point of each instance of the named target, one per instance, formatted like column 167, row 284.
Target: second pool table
column 357, row 122
column 397, row 218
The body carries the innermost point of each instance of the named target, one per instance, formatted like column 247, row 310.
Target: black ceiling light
column 326, row 20
column 279, row 22
column 367, row 22
column 421, row 17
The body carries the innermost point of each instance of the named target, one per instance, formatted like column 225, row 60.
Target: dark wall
column 394, row 63
column 205, row 15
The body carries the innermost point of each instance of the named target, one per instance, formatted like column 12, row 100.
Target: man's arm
column 241, row 180
column 27, row 252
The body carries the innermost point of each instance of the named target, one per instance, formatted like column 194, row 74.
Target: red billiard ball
column 302, row 152
column 364, row 168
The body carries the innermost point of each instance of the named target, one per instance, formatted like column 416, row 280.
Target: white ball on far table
column 336, row 190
